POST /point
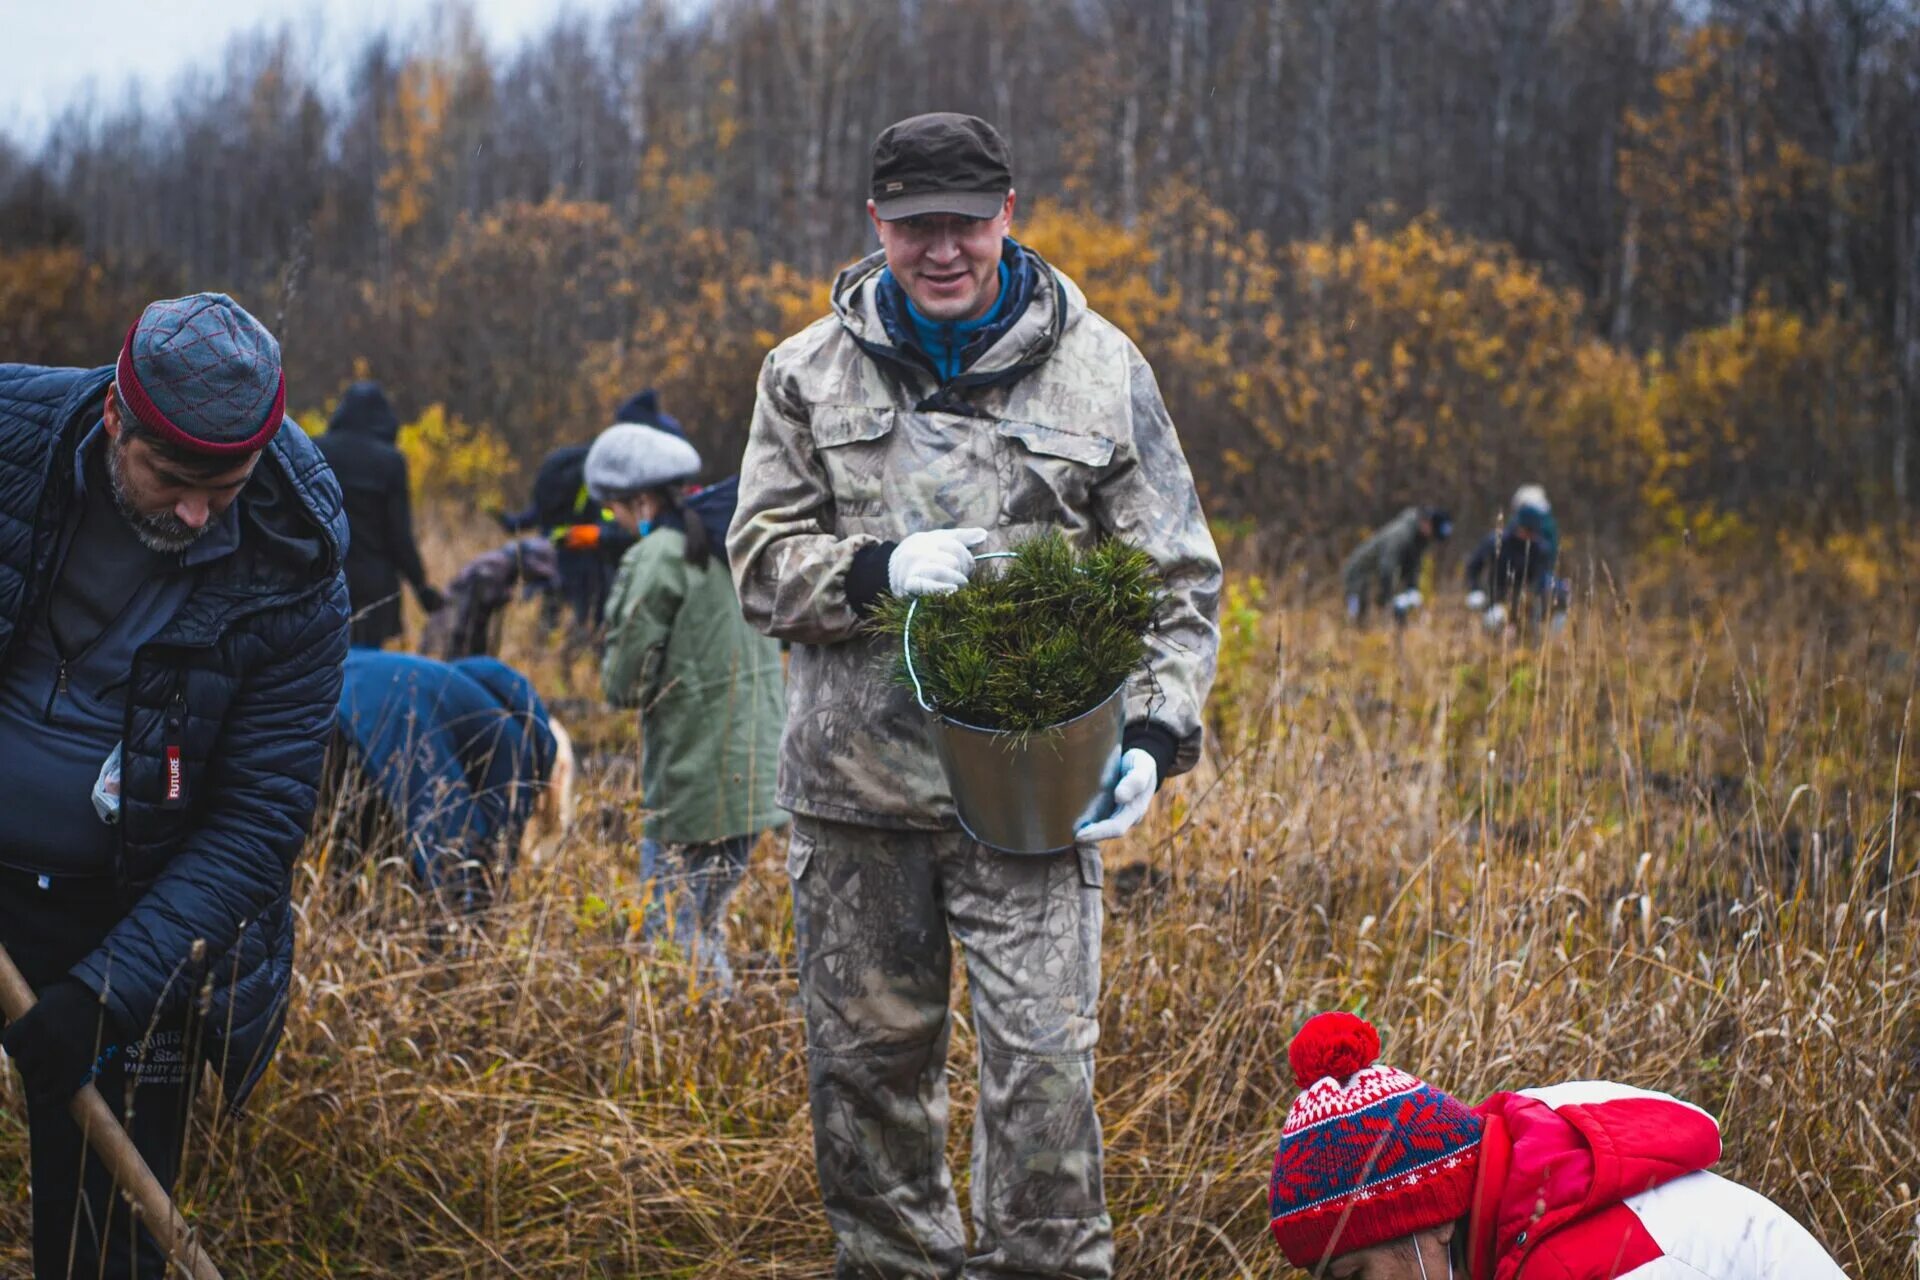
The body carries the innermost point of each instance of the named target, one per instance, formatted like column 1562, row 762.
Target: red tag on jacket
column 176, row 777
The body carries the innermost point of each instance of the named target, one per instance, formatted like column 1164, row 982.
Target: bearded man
column 172, row 624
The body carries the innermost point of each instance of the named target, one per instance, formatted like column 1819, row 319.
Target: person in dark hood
column 643, row 409
column 359, row 445
column 173, row 621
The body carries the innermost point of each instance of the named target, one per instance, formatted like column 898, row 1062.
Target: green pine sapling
column 1033, row 640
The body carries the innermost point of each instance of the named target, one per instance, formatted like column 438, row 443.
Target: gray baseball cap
column 941, row 162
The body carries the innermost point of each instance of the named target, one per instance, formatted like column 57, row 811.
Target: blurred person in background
column 1381, row 1176
column 359, row 446
column 1510, row 576
column 469, row 625
column 709, row 689
column 1384, row 571
column 586, row 537
column 447, row 764
column 172, row 623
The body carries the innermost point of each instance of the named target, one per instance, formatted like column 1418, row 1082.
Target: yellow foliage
column 1110, row 264
column 1403, row 363
column 453, row 459
column 410, row 132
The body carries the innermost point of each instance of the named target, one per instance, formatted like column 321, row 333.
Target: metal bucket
column 1027, row 792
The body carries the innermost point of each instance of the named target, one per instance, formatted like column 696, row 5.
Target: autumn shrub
column 451, row 459
column 707, row 318
column 58, row 306
column 1770, row 415
column 513, row 307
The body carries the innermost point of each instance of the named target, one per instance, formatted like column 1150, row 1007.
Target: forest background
column 1661, row 256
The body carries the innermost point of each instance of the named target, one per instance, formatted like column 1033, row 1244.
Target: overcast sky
column 54, row 48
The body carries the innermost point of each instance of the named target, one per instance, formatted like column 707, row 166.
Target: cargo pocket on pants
column 1091, row 873
column 800, row 846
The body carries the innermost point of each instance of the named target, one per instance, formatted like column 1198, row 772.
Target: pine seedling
column 1033, row 640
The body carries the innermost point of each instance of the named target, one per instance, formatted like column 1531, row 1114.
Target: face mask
column 646, row 527
column 1420, row 1256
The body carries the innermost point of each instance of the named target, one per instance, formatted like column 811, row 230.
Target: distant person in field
column 469, row 625
column 447, row 764
column 1384, row 571
column 1510, row 576
column 710, row 692
column 359, row 446
column 588, row 540
column 172, row 623
column 961, row 397
column 1380, row 1176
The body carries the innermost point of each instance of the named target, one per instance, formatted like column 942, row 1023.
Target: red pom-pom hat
column 1369, row 1153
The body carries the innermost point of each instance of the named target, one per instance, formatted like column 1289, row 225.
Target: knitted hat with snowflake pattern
column 1369, row 1153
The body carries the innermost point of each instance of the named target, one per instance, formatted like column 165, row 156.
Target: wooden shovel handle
column 116, row 1150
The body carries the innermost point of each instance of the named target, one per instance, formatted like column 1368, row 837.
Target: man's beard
column 166, row 532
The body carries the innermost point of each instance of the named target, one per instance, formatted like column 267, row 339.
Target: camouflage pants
column 874, row 913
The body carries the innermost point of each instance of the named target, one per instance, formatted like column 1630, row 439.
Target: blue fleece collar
column 949, row 347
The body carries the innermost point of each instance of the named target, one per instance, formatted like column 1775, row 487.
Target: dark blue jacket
column 457, row 750
column 227, row 716
column 1507, row 566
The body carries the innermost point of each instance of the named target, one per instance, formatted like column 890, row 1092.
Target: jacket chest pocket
column 895, row 472
column 852, row 445
column 1047, row 474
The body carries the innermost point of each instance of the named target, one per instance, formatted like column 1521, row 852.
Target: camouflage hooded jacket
column 1388, row 561
column 854, row 445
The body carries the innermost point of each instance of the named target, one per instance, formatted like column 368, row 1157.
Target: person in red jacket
column 1381, row 1176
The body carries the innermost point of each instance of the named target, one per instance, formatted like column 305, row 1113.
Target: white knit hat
column 628, row 458
column 1531, row 495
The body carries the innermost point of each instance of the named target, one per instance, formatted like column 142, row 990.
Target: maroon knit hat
column 203, row 375
column 1369, row 1153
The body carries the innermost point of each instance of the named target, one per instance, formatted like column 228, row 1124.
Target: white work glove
column 1495, row 617
column 935, row 563
column 1476, row 600
column 1132, row 794
column 1406, row 602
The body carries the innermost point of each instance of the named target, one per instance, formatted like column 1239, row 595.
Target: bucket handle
column 906, row 637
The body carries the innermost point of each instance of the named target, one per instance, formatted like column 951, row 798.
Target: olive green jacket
column 710, row 691
column 1388, row 562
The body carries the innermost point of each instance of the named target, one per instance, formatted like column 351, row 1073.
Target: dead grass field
column 1675, row 847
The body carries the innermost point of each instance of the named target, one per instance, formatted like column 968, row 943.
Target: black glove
column 58, row 1041
column 430, row 599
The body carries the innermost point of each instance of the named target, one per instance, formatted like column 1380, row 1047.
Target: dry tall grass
column 1675, row 850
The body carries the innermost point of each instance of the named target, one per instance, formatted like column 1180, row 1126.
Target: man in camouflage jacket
column 961, row 397
column 1384, row 571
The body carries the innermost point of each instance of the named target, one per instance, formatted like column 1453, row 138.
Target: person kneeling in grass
column 709, row 689
column 1381, row 1176
column 455, row 766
